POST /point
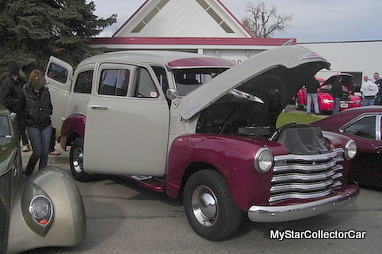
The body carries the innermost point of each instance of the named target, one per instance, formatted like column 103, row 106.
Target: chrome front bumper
column 305, row 210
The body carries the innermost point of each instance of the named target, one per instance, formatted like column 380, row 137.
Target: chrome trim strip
column 338, row 175
column 297, row 195
column 303, row 177
column 315, row 157
column 304, row 167
column 301, row 186
column 301, row 211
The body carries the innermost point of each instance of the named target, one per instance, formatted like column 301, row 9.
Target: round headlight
column 263, row 160
column 41, row 210
column 350, row 149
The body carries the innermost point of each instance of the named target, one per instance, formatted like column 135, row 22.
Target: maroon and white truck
column 203, row 129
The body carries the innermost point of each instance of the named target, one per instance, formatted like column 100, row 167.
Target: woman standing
column 38, row 123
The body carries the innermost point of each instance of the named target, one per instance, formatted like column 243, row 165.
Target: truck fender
column 232, row 157
column 72, row 127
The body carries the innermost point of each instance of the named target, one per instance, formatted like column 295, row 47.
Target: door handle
column 98, row 107
column 378, row 148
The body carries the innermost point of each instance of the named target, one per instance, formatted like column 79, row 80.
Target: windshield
column 5, row 130
column 188, row 80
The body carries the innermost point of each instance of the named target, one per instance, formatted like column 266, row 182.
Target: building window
column 150, row 16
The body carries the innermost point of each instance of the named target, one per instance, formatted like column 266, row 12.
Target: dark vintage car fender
column 68, row 223
column 43, row 210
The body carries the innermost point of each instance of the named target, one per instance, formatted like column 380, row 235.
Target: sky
column 313, row 20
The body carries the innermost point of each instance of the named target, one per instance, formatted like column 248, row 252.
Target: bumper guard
column 305, row 210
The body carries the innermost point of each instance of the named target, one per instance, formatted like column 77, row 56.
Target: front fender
column 68, row 223
column 232, row 156
column 74, row 124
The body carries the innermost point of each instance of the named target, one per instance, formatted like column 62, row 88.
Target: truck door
column 59, row 77
column 127, row 122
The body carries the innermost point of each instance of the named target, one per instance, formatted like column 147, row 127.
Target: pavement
column 61, row 161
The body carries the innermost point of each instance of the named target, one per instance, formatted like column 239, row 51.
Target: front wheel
column 76, row 161
column 209, row 207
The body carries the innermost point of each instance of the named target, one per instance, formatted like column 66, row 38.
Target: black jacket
column 312, row 85
column 12, row 96
column 38, row 107
column 336, row 90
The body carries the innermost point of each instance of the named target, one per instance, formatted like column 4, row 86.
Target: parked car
column 44, row 209
column 364, row 126
column 203, row 129
column 325, row 99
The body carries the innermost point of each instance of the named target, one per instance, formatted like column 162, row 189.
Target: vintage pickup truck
column 45, row 209
column 203, row 129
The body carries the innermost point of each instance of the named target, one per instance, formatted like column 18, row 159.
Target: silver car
column 45, row 209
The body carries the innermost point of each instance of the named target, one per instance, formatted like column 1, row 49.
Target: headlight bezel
column 350, row 150
column 264, row 160
column 35, row 207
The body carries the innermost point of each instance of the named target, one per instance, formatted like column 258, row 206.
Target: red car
column 325, row 99
column 364, row 126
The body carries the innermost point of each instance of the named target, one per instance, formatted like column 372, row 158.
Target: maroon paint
column 236, row 164
column 74, row 124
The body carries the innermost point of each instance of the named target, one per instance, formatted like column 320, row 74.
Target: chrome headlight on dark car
column 37, row 209
column 263, row 160
column 41, row 210
column 350, row 149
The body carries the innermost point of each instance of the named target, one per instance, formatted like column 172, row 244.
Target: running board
column 148, row 182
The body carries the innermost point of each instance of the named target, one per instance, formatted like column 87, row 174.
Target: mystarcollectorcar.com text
column 317, row 234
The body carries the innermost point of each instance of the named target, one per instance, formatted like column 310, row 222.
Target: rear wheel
column 209, row 207
column 76, row 161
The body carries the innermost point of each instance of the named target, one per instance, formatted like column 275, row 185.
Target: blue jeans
column 39, row 139
column 336, row 105
column 368, row 102
column 312, row 96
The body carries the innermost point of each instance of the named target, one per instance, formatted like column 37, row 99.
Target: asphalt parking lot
column 123, row 218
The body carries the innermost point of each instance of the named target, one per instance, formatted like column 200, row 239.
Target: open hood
column 273, row 76
column 347, row 80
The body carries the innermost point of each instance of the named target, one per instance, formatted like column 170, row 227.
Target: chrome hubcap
column 205, row 205
column 78, row 157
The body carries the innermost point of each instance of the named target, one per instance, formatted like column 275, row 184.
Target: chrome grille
column 306, row 176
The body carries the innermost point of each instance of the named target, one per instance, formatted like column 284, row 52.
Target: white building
column 208, row 27
column 362, row 58
column 200, row 26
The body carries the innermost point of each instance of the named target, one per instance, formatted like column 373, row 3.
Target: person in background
column 52, row 143
column 38, row 122
column 12, row 97
column 378, row 82
column 311, row 88
column 369, row 90
column 336, row 92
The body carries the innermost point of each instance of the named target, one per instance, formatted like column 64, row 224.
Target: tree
column 33, row 30
column 263, row 22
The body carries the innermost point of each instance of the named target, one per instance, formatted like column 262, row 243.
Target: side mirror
column 172, row 94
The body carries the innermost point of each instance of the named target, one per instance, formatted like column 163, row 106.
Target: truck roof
column 166, row 58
